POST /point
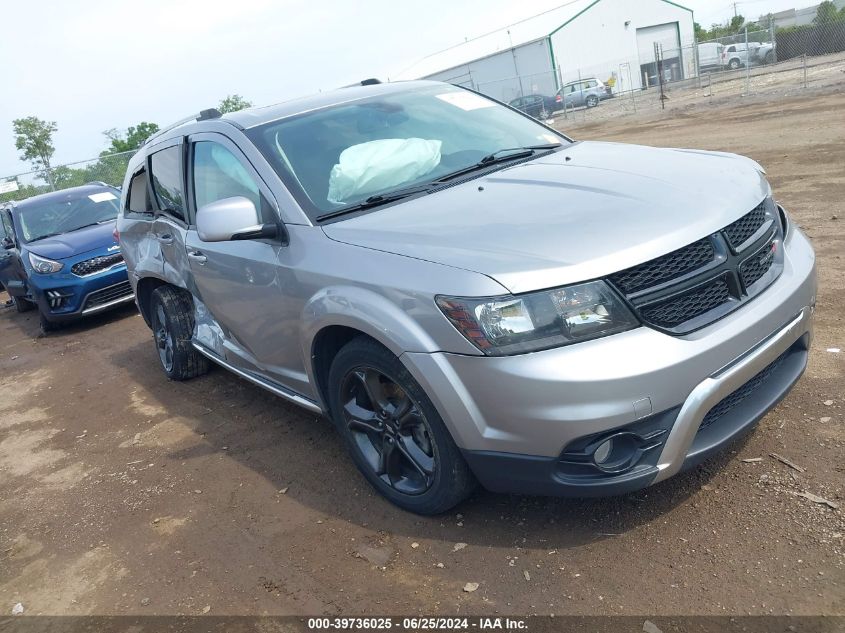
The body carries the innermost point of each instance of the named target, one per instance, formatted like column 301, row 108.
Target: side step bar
column 272, row 387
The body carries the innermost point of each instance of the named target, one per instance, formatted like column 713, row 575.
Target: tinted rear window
column 166, row 167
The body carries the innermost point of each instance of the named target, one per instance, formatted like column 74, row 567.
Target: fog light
column 603, row 451
column 618, row 453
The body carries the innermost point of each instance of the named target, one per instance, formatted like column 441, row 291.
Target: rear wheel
column 173, row 326
column 734, row 64
column 395, row 435
column 592, row 101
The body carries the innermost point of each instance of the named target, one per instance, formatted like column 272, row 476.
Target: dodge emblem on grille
column 767, row 257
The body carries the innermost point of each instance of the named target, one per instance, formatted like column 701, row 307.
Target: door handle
column 167, row 238
column 198, row 257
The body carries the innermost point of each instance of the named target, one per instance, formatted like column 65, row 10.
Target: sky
column 93, row 65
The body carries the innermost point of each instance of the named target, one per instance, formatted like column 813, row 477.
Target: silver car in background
column 586, row 93
column 469, row 295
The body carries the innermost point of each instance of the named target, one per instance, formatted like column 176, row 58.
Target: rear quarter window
column 166, row 171
column 137, row 200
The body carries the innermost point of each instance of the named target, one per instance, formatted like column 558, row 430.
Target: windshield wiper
column 376, row 201
column 84, row 226
column 499, row 156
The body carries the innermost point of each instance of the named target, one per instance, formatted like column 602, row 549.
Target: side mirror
column 233, row 218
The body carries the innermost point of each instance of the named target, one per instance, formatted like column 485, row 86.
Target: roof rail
column 372, row 81
column 98, row 182
column 204, row 115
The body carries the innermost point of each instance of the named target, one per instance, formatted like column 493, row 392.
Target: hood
column 75, row 243
column 586, row 211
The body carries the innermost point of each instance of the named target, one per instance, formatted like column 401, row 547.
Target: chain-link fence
column 109, row 168
column 744, row 63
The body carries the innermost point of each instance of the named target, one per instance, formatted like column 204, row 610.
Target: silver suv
column 468, row 294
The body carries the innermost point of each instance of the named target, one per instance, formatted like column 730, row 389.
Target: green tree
column 64, row 177
column 827, row 13
column 717, row 31
column 34, row 138
column 233, row 103
column 130, row 140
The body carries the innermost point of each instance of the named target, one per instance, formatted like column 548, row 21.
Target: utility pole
column 658, row 58
column 735, row 13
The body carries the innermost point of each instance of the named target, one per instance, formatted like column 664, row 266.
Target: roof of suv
column 252, row 117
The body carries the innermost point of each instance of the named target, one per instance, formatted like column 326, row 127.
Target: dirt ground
column 123, row 493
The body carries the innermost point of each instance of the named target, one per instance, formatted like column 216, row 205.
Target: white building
column 612, row 40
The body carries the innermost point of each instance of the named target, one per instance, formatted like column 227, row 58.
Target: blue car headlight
column 43, row 265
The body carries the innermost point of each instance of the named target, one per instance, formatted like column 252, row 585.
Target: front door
column 238, row 281
column 12, row 274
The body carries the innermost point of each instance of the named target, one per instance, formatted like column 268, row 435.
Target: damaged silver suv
column 468, row 294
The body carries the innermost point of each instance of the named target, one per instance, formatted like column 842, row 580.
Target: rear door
column 170, row 220
column 253, row 314
column 578, row 94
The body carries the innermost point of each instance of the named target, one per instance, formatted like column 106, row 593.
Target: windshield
column 63, row 215
column 339, row 156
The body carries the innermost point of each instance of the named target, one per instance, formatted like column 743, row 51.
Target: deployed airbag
column 379, row 165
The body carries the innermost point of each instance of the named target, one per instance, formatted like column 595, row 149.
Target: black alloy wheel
column 394, row 433
column 163, row 338
column 390, row 430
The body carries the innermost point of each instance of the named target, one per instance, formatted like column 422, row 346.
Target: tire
column 592, row 101
column 22, row 305
column 544, row 114
column 734, row 64
column 403, row 447
column 770, row 58
column 172, row 319
column 47, row 326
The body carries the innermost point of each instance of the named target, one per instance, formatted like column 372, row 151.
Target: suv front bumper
column 518, row 418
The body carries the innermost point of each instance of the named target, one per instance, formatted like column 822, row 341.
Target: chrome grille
column 100, row 297
column 96, row 264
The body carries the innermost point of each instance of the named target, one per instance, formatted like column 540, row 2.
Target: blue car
column 60, row 254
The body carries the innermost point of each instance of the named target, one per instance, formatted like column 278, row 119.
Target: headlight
column 43, row 265
column 500, row 326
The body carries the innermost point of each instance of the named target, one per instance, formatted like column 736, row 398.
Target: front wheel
column 47, row 325
column 22, row 305
column 173, row 326
column 395, row 435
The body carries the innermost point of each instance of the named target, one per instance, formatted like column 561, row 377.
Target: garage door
column 664, row 34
